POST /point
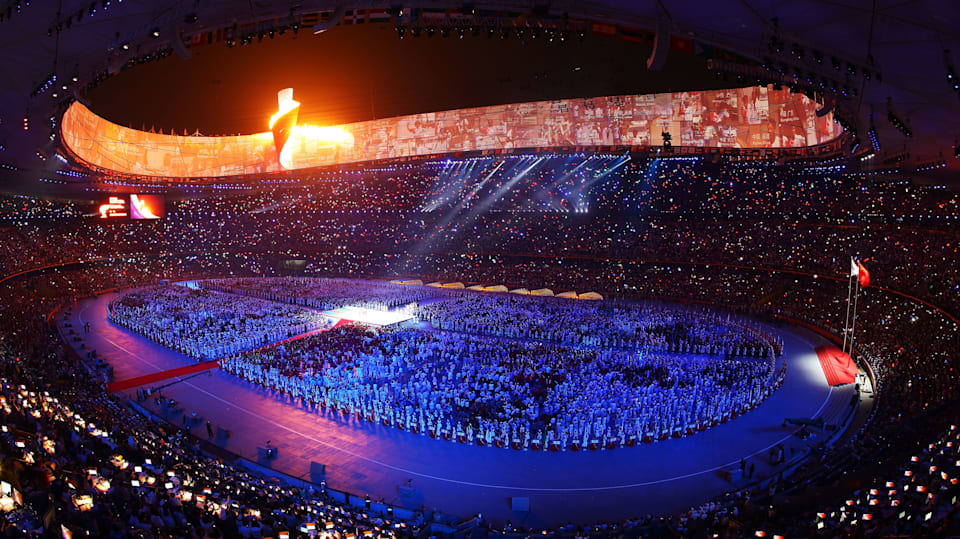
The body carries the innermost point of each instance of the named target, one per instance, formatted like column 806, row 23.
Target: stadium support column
column 661, row 45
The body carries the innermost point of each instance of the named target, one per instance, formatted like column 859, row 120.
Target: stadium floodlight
column 874, row 141
column 896, row 121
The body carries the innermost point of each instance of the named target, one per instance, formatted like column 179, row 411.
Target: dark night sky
column 354, row 73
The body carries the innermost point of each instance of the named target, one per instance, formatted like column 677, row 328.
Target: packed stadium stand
column 526, row 309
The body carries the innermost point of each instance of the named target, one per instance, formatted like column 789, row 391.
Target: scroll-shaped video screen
column 755, row 117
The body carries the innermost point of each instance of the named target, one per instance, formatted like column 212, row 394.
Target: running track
column 580, row 487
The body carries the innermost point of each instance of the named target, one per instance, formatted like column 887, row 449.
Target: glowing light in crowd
column 368, row 316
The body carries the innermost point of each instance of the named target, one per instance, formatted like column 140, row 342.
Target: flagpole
column 846, row 322
column 853, row 325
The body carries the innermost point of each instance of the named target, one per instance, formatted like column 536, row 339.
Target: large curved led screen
column 754, row 117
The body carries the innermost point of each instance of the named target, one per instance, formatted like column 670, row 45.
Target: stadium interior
column 479, row 269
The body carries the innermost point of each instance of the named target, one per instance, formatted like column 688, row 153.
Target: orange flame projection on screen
column 146, row 206
column 285, row 103
column 284, row 121
column 291, row 139
column 308, row 140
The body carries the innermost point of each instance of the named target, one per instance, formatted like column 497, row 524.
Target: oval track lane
column 585, row 486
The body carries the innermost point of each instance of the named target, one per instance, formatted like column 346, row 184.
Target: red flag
column 863, row 275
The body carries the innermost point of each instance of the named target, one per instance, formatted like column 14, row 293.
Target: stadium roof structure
column 893, row 60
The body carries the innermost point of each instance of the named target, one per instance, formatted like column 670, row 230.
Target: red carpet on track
column 183, row 371
column 837, row 365
column 159, row 376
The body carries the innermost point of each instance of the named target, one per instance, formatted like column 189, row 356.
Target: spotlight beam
column 449, row 218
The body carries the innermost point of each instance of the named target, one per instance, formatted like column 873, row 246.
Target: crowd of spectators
column 563, row 385
column 208, row 325
column 730, row 245
column 509, row 393
column 639, row 326
column 918, row 498
column 28, row 208
column 636, row 326
column 325, row 294
column 918, row 261
column 909, row 344
column 755, row 214
column 78, row 461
